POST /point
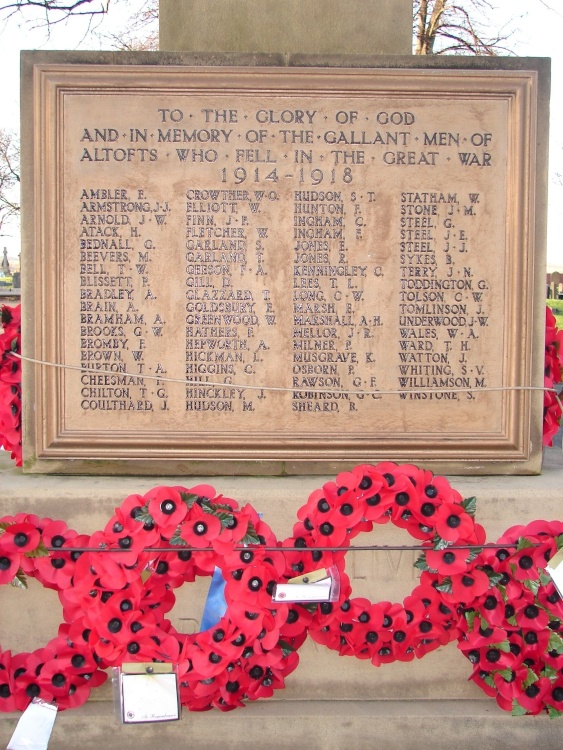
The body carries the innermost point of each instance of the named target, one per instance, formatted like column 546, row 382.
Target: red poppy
column 532, row 698
column 7, row 686
column 449, row 561
column 199, row 529
column 469, row 585
column 27, row 679
column 554, row 697
column 9, row 565
column 167, row 509
column 19, row 538
column 453, row 522
column 530, row 616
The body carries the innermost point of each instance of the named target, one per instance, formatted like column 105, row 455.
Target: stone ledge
column 316, row 725
column 86, row 502
column 431, row 701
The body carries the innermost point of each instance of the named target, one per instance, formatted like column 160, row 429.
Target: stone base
column 315, row 725
column 329, row 700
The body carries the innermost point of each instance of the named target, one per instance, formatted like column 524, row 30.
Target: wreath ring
column 63, row 671
column 431, row 511
column 247, row 654
column 513, row 634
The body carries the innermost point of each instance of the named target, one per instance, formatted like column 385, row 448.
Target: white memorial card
column 33, row 730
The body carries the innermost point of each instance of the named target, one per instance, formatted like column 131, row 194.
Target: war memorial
column 277, row 249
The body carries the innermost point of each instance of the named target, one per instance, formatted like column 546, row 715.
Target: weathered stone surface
column 283, row 270
column 318, row 725
column 361, row 26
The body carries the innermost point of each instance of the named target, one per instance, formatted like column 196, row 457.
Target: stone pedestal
column 328, row 700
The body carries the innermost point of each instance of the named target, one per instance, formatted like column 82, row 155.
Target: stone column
column 379, row 27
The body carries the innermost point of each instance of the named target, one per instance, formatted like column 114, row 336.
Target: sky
column 536, row 31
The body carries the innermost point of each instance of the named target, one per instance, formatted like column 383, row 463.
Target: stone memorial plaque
column 268, row 270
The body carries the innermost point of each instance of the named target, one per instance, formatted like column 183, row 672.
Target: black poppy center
column 167, row 507
column 390, row 479
column 493, row 655
column 78, row 661
column 373, row 500
column 115, row 625
column 490, row 603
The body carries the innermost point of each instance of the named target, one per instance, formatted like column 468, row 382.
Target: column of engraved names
column 439, row 304
column 111, row 325
column 221, row 311
column 320, row 311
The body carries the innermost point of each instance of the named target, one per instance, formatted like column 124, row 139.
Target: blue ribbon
column 215, row 604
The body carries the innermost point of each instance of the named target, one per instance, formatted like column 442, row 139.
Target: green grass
column 556, row 306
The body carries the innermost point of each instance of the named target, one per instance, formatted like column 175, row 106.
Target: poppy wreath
column 119, row 612
column 512, row 634
column 65, row 670
column 117, row 585
column 552, row 377
column 432, row 512
column 10, row 382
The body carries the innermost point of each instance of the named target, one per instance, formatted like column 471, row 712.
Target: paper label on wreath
column 33, row 730
column 149, row 697
column 555, row 569
column 318, row 586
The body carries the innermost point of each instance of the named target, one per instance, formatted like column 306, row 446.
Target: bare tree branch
column 53, row 11
column 141, row 32
column 450, row 27
column 9, row 178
